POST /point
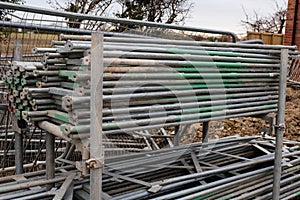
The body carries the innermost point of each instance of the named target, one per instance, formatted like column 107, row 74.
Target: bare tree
column 95, row 7
column 274, row 23
column 164, row 11
column 3, row 13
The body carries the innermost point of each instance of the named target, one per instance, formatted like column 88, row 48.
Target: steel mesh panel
column 295, row 70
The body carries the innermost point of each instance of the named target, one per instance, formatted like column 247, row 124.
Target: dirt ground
column 251, row 126
column 293, row 114
column 254, row 126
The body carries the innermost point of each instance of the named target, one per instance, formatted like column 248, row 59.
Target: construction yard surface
column 250, row 126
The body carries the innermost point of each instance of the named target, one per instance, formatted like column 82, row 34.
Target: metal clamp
column 281, row 126
column 82, row 167
column 94, row 163
column 155, row 188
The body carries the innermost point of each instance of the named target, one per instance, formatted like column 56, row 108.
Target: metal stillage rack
column 146, row 84
column 97, row 83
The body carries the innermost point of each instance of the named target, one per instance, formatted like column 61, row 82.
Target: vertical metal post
column 96, row 149
column 177, row 136
column 18, row 52
column 50, row 158
column 279, row 128
column 205, row 129
column 19, row 153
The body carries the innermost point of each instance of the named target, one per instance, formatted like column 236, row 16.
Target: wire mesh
column 34, row 151
column 294, row 73
column 30, row 38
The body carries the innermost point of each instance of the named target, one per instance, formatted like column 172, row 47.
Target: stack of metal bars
column 231, row 168
column 32, row 93
column 148, row 84
column 216, row 171
column 153, row 83
column 23, row 95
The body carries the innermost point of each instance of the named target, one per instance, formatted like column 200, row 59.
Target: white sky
column 216, row 14
column 227, row 14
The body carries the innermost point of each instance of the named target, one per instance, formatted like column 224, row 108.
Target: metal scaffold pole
column 96, row 150
column 19, row 152
column 18, row 52
column 280, row 126
column 50, row 158
column 205, row 130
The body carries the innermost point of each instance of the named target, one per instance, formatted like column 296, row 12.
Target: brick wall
column 292, row 30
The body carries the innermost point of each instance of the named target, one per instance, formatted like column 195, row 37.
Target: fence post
column 17, row 56
column 50, row 159
column 280, row 126
column 96, row 150
column 205, row 130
